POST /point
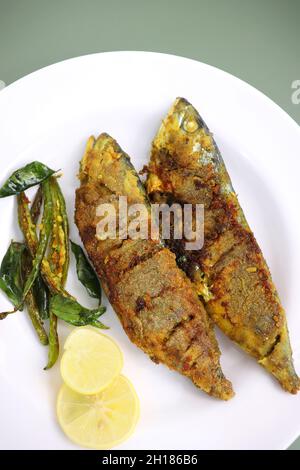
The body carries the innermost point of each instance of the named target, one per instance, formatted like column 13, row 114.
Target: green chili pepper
column 25, row 177
column 30, row 301
column 45, row 232
column 26, row 223
column 59, row 255
column 29, row 231
column 40, row 290
column 42, row 243
column 65, row 226
column 10, row 273
column 53, row 341
column 34, row 315
column 36, row 205
column 58, row 259
column 54, row 267
column 72, row 312
column 85, row 272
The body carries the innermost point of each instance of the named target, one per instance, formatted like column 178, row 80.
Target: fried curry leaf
column 85, row 272
column 25, row 177
column 72, row 312
column 41, row 295
column 10, row 273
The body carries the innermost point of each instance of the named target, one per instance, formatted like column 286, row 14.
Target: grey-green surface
column 257, row 40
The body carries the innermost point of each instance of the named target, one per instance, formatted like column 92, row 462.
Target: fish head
column 104, row 160
column 99, row 152
column 183, row 139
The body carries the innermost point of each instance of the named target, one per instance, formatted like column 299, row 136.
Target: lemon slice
column 99, row 421
column 91, row 361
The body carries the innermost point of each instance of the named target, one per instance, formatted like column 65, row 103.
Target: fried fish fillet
column 154, row 300
column 229, row 272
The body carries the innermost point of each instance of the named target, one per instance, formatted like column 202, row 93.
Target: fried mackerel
column 154, row 300
column 229, row 272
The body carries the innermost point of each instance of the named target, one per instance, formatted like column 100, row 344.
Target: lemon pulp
column 91, row 361
column 99, row 421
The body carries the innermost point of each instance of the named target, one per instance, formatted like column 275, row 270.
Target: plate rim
column 9, row 89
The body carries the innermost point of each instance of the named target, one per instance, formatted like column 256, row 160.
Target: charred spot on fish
column 187, row 364
column 220, row 374
column 273, row 346
column 220, row 227
column 169, row 160
column 144, row 171
column 181, row 261
column 215, row 160
column 154, row 359
column 88, row 233
column 198, row 183
column 140, row 304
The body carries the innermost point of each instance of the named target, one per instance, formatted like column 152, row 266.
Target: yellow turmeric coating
column 57, row 259
column 186, row 167
column 154, row 300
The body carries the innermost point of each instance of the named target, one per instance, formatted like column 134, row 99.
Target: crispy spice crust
column 229, row 272
column 154, row 300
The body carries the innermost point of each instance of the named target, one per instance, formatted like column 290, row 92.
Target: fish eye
column 190, row 125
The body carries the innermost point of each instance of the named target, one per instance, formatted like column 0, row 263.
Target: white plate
column 48, row 116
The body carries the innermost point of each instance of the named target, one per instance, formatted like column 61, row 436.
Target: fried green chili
column 35, row 209
column 45, row 275
column 29, row 231
column 59, row 244
column 41, row 246
column 58, row 259
column 53, row 341
column 40, row 290
column 30, row 300
column 45, row 232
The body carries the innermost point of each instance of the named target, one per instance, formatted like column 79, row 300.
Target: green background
column 257, row 40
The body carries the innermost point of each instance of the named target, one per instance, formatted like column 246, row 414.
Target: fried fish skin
column 229, row 272
column 154, row 300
